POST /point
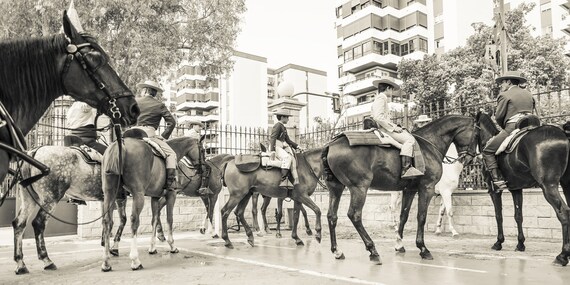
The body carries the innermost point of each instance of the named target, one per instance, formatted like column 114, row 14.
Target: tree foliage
column 469, row 78
column 145, row 39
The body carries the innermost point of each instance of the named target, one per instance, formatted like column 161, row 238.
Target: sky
column 291, row 31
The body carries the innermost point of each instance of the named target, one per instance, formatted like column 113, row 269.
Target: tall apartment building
column 372, row 37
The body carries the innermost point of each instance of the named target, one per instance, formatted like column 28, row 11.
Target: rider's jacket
column 512, row 102
column 151, row 112
column 279, row 133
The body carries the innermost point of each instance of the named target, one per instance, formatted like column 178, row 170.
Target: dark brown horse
column 540, row 159
column 140, row 173
column 362, row 167
column 34, row 72
column 278, row 215
column 241, row 186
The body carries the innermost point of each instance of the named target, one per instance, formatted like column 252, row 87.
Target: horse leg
column 206, row 202
column 306, row 200
column 159, row 228
column 240, row 212
column 138, row 204
column 226, row 211
column 212, row 202
column 154, row 206
column 357, row 200
column 562, row 211
column 278, row 216
column 395, row 201
column 122, row 210
column 307, row 224
column 170, row 201
column 518, row 202
column 498, row 203
column 27, row 207
column 110, row 194
column 335, row 193
column 407, row 199
column 254, row 199
column 39, row 225
column 447, row 201
column 264, row 206
column 294, row 235
column 424, row 198
column 440, row 217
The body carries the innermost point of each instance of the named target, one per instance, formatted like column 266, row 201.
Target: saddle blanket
column 511, row 142
column 156, row 149
column 367, row 137
column 251, row 162
column 89, row 155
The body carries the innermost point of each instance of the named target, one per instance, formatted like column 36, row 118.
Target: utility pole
column 503, row 38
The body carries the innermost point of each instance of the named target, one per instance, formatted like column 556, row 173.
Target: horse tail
column 111, row 160
column 223, row 166
column 326, row 166
column 566, row 128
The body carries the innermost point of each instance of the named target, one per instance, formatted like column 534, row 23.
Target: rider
column 81, row 120
column 204, row 170
column 280, row 144
column 152, row 110
column 513, row 103
column 381, row 114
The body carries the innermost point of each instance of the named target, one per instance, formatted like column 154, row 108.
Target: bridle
column 74, row 52
column 461, row 155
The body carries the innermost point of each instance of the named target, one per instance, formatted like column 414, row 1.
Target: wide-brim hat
column 195, row 122
column 511, row 75
column 422, row 118
column 282, row 112
column 386, row 80
column 150, row 84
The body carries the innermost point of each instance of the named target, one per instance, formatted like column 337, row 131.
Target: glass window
column 423, row 45
column 377, row 47
column 366, row 48
column 395, row 49
column 348, row 55
column 386, row 49
column 412, row 47
column 404, row 49
column 357, row 51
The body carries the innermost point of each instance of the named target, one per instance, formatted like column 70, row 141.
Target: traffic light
column 336, row 104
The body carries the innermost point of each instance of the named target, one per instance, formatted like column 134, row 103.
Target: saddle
column 523, row 127
column 156, row 149
column 89, row 155
column 366, row 137
column 251, row 162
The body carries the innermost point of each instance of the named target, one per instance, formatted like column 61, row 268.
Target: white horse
column 447, row 184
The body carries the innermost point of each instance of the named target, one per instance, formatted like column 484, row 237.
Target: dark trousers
column 94, row 144
column 493, row 145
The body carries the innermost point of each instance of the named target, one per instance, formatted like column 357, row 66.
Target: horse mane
column 29, row 76
column 427, row 128
column 486, row 122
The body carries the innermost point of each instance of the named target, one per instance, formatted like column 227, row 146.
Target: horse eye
column 94, row 59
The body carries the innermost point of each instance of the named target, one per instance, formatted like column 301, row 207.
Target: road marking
column 442, row 266
column 281, row 267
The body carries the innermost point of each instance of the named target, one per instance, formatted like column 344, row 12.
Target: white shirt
column 80, row 114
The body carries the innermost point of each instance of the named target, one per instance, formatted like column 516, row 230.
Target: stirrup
column 499, row 186
column 411, row 173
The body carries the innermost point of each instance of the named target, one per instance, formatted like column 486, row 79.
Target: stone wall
column 473, row 213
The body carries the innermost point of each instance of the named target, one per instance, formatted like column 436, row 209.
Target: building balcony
column 194, row 105
column 201, row 118
column 190, row 77
column 360, row 86
column 190, row 91
column 382, row 12
column 370, row 60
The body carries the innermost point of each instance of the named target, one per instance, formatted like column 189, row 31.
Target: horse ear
column 262, row 147
column 68, row 27
column 478, row 116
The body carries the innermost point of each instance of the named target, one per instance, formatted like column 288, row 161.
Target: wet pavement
column 202, row 260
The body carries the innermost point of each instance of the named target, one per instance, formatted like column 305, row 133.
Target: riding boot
column 499, row 184
column 408, row 171
column 171, row 181
column 204, row 190
column 284, row 178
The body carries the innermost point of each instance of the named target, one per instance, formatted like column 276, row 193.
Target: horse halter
column 73, row 52
column 462, row 154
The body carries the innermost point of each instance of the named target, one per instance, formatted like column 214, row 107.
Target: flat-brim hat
column 511, row 75
column 150, row 84
column 388, row 81
column 195, row 122
column 282, row 112
column 422, row 118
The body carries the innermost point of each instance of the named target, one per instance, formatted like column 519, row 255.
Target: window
column 338, row 11
column 395, row 49
column 377, row 47
column 366, row 48
column 412, row 47
column 364, row 5
column 423, row 45
column 357, row 51
column 348, row 56
column 404, row 49
column 386, row 49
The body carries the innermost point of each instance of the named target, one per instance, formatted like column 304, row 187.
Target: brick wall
column 473, row 213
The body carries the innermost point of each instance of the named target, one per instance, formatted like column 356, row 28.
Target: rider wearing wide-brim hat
column 513, row 103
column 381, row 114
column 204, row 170
column 421, row 121
column 281, row 144
column 152, row 111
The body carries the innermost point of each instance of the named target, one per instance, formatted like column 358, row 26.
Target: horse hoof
column 175, row 250
column 250, row 242
column 152, row 252
column 203, row 231
column 437, row 233
column 216, row 236
column 114, row 252
column 309, row 232
column 50, row 267
column 376, row 259
column 278, row 235
column 299, row 243
column 106, row 269
column 520, row 248
column 137, row 268
column 340, row 257
column 455, row 235
column 426, row 255
column 318, row 238
column 260, row 234
column 22, row 270
column 400, row 250
column 497, row 246
column 560, row 261
column 229, row 245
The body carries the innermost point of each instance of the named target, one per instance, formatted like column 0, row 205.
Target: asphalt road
column 202, row 260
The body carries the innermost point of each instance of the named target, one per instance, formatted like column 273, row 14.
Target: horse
column 540, row 159
column 140, row 173
column 190, row 183
column 278, row 214
column 34, row 72
column 71, row 175
column 362, row 167
column 241, row 187
column 448, row 183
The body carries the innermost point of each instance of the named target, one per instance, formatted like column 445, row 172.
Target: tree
column 427, row 78
column 145, row 39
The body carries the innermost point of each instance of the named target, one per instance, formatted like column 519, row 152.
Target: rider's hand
column 398, row 129
column 300, row 149
column 272, row 155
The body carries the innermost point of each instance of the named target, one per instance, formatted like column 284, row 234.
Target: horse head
column 486, row 129
column 88, row 76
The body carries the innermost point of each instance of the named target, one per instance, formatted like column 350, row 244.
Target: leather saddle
column 251, row 162
column 89, row 155
column 523, row 127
